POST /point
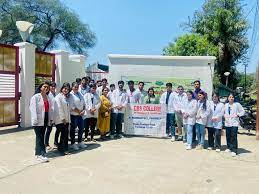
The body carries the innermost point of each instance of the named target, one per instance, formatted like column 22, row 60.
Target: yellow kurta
column 103, row 122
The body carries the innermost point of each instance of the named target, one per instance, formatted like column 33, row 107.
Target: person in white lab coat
column 134, row 96
column 214, row 123
column 189, row 117
column 201, row 118
column 92, row 104
column 233, row 110
column 167, row 99
column 41, row 117
column 62, row 118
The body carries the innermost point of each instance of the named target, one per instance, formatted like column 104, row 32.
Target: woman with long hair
column 201, row 118
column 41, row 118
column 233, row 110
column 214, row 124
column 150, row 98
column 189, row 117
column 104, row 114
column 62, row 118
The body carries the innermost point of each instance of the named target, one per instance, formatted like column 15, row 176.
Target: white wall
column 191, row 67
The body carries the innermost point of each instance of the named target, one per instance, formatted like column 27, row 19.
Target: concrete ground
column 131, row 165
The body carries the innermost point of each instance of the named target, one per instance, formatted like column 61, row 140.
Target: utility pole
column 257, row 107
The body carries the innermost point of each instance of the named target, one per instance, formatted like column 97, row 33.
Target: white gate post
column 27, row 79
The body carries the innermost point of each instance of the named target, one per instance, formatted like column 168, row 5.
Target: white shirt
column 134, row 97
column 91, row 101
column 76, row 101
column 37, row 109
column 61, row 109
column 119, row 98
column 85, row 90
column 170, row 105
column 216, row 111
column 232, row 112
column 143, row 93
column 190, row 107
column 179, row 101
column 203, row 113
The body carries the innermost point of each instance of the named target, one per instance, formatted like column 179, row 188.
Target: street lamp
column 25, row 28
column 227, row 74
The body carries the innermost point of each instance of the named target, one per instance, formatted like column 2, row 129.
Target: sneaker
column 55, row 147
column 188, row 147
column 173, row 138
column 217, row 150
column 185, row 143
column 82, row 145
column 120, row 136
column 49, row 148
column 112, row 136
column 227, row 150
column 233, row 154
column 74, row 147
column 179, row 138
column 42, row 159
column 209, row 148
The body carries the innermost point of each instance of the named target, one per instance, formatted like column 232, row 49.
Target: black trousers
column 116, row 123
column 231, row 136
column 90, row 123
column 47, row 135
column 40, row 134
column 214, row 137
column 63, row 143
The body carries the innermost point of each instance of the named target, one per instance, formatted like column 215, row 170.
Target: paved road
column 128, row 166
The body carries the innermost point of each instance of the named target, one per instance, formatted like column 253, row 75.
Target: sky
column 142, row 27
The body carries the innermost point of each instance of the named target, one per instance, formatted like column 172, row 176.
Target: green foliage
column 190, row 45
column 54, row 23
column 250, row 82
column 225, row 26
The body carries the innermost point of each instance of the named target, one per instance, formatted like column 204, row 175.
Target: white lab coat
column 190, row 107
column 38, row 110
column 170, row 105
column 89, row 103
column 179, row 101
column 203, row 113
column 217, row 113
column 119, row 98
column 134, row 97
column 61, row 109
column 76, row 101
column 236, row 110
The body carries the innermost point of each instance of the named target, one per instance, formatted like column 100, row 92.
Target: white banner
column 148, row 120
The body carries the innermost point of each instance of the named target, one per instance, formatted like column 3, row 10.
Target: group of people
column 85, row 106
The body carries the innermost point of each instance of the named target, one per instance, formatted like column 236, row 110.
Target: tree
column 54, row 23
column 190, row 45
column 225, row 26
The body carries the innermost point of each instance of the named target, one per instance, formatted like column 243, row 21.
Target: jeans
column 48, row 132
column 63, row 143
column 194, row 134
column 90, row 123
column 200, row 132
column 231, row 135
column 188, row 132
column 116, row 123
column 76, row 121
column 170, row 123
column 214, row 137
column 40, row 146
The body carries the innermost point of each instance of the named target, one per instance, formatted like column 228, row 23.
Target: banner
column 147, row 120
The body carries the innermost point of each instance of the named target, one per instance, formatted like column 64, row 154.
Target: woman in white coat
column 189, row 117
column 62, row 117
column 41, row 118
column 92, row 104
column 201, row 118
column 214, row 123
column 233, row 110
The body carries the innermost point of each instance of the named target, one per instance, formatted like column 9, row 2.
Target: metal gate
column 9, row 85
column 44, row 67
